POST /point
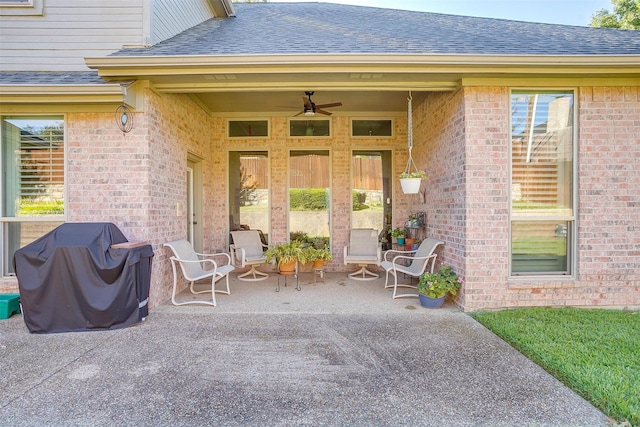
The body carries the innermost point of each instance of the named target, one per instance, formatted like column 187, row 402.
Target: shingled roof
column 325, row 28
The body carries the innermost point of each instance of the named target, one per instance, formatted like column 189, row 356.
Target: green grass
column 593, row 351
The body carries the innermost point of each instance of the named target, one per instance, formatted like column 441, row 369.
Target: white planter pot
column 410, row 185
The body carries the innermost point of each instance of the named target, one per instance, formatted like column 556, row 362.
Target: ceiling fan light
column 309, row 113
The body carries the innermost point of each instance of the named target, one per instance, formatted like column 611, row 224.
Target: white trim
column 24, row 8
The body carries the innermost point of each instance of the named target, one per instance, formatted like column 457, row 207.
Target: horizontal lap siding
column 67, row 32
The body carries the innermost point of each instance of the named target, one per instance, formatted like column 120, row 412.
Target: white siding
column 67, row 32
column 171, row 17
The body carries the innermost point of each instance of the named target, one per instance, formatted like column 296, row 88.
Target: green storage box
column 9, row 304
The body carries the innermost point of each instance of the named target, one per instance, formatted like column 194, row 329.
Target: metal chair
column 411, row 263
column 196, row 266
column 247, row 249
column 363, row 249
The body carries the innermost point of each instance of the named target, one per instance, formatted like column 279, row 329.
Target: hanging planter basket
column 411, row 178
column 410, row 185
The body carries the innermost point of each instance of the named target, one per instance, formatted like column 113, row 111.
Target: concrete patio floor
column 338, row 352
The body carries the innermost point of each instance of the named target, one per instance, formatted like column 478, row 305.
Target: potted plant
column 410, row 181
column 399, row 234
column 434, row 287
column 319, row 256
column 285, row 255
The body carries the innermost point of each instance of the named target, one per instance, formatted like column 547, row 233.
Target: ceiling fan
column 310, row 108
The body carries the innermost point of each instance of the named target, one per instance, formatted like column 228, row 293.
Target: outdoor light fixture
column 124, row 116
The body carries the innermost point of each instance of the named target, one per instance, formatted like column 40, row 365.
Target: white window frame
column 573, row 219
column 44, row 219
column 21, row 7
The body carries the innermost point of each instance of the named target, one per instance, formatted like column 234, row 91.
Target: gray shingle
column 308, row 28
column 50, row 78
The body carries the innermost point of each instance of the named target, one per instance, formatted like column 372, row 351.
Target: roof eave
column 117, row 66
column 60, row 94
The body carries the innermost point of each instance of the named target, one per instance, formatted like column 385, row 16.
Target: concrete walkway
column 338, row 353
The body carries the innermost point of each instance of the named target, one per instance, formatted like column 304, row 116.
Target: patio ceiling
column 281, row 93
column 365, row 84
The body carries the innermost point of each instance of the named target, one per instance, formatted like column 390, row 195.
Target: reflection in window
column 309, row 128
column 248, row 128
column 32, row 181
column 542, row 170
column 249, row 191
column 309, row 195
column 371, row 192
column 371, row 127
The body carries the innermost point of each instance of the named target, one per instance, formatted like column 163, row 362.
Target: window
column 32, row 181
column 249, row 191
column 248, row 128
column 309, row 128
column 371, row 191
column 542, row 182
column 21, row 7
column 309, row 195
column 371, row 128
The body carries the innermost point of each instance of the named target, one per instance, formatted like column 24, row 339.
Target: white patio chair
column 363, row 249
column 411, row 263
column 195, row 267
column 247, row 249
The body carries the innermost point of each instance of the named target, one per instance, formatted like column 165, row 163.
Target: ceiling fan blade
column 296, row 115
column 319, row 111
column 335, row 104
column 307, row 103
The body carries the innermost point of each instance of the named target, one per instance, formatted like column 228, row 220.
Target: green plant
column 301, row 237
column 437, row 285
column 320, row 242
column 358, row 199
column 287, row 252
column 319, row 253
column 308, row 199
column 417, row 174
column 31, row 207
column 398, row 232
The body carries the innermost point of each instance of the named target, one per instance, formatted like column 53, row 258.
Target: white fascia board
column 104, row 64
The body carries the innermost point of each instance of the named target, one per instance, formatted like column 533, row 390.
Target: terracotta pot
column 318, row 263
column 287, row 268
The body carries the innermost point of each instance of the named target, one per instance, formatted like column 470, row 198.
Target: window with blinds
column 33, row 160
column 542, row 178
column 32, row 153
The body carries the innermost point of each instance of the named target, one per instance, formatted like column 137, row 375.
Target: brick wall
column 136, row 180
column 461, row 140
column 340, row 144
column 439, row 149
column 608, row 264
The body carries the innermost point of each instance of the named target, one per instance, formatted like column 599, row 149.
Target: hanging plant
column 411, row 178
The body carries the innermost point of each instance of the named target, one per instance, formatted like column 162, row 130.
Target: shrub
column 358, row 198
column 308, row 199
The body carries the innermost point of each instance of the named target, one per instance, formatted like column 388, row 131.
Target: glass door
column 309, row 195
column 249, row 191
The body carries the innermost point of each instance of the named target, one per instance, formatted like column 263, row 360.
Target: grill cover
column 72, row 279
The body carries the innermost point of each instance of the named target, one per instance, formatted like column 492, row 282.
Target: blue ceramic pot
column 427, row 302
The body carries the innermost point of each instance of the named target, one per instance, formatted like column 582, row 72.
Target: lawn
column 593, row 351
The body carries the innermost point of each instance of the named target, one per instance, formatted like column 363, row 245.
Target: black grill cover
column 71, row 279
